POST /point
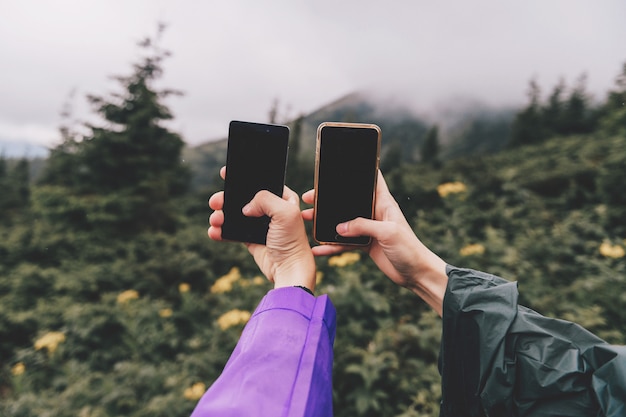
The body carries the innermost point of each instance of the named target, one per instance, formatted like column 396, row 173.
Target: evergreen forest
column 114, row 302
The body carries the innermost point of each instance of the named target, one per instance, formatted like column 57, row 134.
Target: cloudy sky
column 232, row 59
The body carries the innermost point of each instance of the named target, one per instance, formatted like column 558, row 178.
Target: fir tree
column 20, row 178
column 298, row 168
column 429, row 151
column 577, row 117
column 131, row 157
column 392, row 158
column 552, row 114
column 4, row 197
column 613, row 121
column 14, row 183
column 528, row 125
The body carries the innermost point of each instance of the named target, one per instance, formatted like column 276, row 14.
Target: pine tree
column 14, row 183
column 429, row 151
column 4, row 197
column 392, row 158
column 577, row 116
column 298, row 168
column 613, row 121
column 132, row 159
column 20, row 177
column 273, row 113
column 528, row 125
column 134, row 150
column 552, row 114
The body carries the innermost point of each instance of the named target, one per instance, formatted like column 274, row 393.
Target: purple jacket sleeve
column 282, row 364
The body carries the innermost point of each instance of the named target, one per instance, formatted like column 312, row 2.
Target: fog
column 234, row 59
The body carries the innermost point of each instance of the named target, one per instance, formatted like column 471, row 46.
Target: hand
column 394, row 248
column 286, row 258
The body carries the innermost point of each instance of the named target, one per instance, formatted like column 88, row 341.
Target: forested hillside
column 113, row 302
column 464, row 129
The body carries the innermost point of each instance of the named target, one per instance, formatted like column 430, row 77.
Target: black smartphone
column 346, row 169
column 256, row 159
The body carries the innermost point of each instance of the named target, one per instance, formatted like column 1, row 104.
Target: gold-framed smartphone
column 346, row 169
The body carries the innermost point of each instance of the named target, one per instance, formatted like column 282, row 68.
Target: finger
column 381, row 184
column 384, row 198
column 307, row 214
column 216, row 219
column 216, row 201
column 309, row 197
column 215, row 233
column 328, row 250
column 290, row 196
column 223, row 172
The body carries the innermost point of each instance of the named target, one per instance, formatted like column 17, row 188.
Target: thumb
column 379, row 230
column 263, row 203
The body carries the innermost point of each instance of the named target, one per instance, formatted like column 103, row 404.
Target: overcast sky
column 232, row 59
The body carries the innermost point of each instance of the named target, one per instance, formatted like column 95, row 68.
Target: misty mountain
column 465, row 128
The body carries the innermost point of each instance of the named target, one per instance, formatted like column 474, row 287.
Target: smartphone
column 346, row 169
column 256, row 159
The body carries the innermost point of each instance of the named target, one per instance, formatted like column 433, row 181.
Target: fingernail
column 342, row 228
column 246, row 209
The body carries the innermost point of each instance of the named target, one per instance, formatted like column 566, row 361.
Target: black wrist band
column 305, row 289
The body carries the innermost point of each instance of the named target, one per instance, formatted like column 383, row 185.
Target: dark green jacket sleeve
column 501, row 359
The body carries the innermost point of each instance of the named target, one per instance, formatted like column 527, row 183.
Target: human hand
column 286, row 258
column 395, row 248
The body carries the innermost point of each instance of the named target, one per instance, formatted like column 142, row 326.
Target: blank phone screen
column 256, row 160
column 346, row 176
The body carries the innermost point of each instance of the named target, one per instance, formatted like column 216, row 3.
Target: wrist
column 429, row 280
column 297, row 274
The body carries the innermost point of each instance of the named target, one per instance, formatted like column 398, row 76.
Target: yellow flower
column 448, row 188
column 474, row 249
column 611, row 251
column 233, row 318
column 195, row 391
column 165, row 312
column 319, row 275
column 225, row 283
column 18, row 369
column 258, row 280
column 126, row 296
column 50, row 341
column 345, row 259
